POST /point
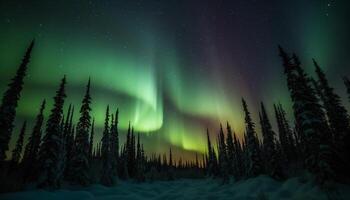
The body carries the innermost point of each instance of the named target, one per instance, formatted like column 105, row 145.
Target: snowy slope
column 258, row 188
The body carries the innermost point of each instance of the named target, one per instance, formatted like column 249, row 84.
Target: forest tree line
column 316, row 144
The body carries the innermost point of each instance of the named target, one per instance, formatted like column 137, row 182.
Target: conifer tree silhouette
column 50, row 153
column 80, row 159
column 106, row 175
column 30, row 157
column 9, row 104
column 91, row 140
column 310, row 119
column 17, row 151
column 336, row 112
column 272, row 162
column 255, row 167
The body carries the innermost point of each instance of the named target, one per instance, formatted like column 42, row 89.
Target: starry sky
column 173, row 68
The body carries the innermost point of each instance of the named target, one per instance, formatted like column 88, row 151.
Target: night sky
column 173, row 68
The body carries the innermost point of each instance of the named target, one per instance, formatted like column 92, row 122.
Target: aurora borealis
column 173, row 68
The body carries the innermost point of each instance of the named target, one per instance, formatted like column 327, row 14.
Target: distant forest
column 62, row 152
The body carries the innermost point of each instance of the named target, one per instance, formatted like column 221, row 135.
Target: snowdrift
column 261, row 188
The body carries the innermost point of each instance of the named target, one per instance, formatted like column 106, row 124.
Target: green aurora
column 171, row 76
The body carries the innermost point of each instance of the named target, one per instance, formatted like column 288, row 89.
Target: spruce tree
column 69, row 138
column 80, row 159
column 310, row 119
column 255, row 167
column 211, row 166
column 336, row 112
column 231, row 152
column 139, row 161
column 30, row 157
column 238, row 158
column 9, row 104
column 91, row 145
column 285, row 134
column 272, row 162
column 106, row 177
column 50, row 150
column 222, row 153
column 17, row 151
column 114, row 144
column 347, row 85
column 170, row 172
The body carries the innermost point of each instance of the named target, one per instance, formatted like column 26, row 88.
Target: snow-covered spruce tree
column 114, row 144
column 50, row 149
column 222, row 153
column 30, row 156
column 310, row 119
column 9, row 104
column 91, row 140
column 106, row 174
column 80, row 159
column 255, row 167
column 336, row 112
column 230, row 147
column 272, row 160
column 17, row 151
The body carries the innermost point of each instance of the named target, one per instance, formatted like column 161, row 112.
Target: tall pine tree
column 106, row 177
column 310, row 119
column 336, row 112
column 9, row 104
column 231, row 152
column 347, row 85
column 91, row 145
column 114, row 144
column 80, row 159
column 222, row 153
column 17, row 151
column 272, row 162
column 50, row 157
column 255, row 167
column 30, row 157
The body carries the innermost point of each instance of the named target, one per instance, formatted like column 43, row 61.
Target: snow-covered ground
column 261, row 187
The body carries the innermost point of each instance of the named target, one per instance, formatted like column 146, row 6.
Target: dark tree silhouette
column 17, row 151
column 9, row 104
column 285, row 134
column 211, row 163
column 80, row 159
column 50, row 153
column 272, row 162
column 91, row 145
column 347, row 85
column 231, row 151
column 106, row 175
column 336, row 112
column 222, row 154
column 30, row 157
column 239, row 167
column 255, row 167
column 114, row 144
column 310, row 119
